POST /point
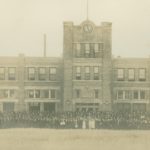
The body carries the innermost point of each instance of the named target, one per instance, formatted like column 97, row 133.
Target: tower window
column 96, row 49
column 87, row 73
column 96, row 73
column 78, row 73
column 87, row 50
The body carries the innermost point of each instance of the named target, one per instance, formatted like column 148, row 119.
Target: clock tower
column 87, row 66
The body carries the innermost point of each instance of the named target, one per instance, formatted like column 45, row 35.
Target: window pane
column 37, row 93
column 127, row 95
column 120, row 74
column 53, row 93
column 96, row 48
column 2, row 73
column 135, row 95
column 131, row 74
column 11, row 73
column 96, row 69
column 52, row 74
column 77, row 92
column 42, row 73
column 31, row 93
column 44, row 93
column 142, row 94
column 31, row 73
column 120, row 95
column 78, row 73
column 87, row 69
column 12, row 94
column 52, row 70
column 78, row 46
column 142, row 74
column 87, row 47
column 78, row 69
column 96, row 93
column 42, row 70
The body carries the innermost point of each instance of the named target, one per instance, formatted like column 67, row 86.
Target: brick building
column 86, row 78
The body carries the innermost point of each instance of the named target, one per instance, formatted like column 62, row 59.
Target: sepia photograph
column 74, row 74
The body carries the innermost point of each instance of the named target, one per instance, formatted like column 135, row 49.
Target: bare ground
column 47, row 139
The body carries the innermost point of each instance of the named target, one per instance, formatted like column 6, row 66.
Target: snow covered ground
column 48, row 139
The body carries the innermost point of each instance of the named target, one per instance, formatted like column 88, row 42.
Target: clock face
column 88, row 28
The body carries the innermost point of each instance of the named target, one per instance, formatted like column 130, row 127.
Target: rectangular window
column 52, row 74
column 120, row 95
column 127, row 95
column 78, row 73
column 30, row 93
column 12, row 73
column 142, row 95
column 96, row 93
column 12, row 93
column 1, row 94
column 37, row 93
column 142, row 74
column 87, row 50
column 96, row 73
column 2, row 73
column 78, row 50
column 96, row 50
column 135, row 95
column 44, row 93
column 42, row 73
column 77, row 93
column 120, row 74
column 131, row 75
column 87, row 73
column 31, row 73
column 53, row 94
column 4, row 94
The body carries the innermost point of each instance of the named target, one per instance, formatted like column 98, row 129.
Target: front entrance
column 34, row 107
column 49, row 107
column 8, row 107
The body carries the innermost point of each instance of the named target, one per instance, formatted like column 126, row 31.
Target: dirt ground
column 47, row 139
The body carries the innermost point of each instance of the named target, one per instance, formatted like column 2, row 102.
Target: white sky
column 23, row 22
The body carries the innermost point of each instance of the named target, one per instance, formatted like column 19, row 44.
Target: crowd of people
column 76, row 120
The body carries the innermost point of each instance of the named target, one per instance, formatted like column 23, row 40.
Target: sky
column 23, row 23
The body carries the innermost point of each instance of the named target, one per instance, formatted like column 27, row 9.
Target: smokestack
column 44, row 52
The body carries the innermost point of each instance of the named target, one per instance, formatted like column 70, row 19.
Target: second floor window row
column 42, row 73
column 131, row 74
column 8, row 73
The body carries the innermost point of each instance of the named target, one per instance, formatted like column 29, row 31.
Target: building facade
column 86, row 78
